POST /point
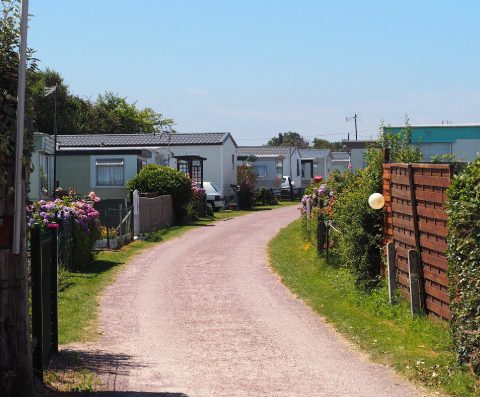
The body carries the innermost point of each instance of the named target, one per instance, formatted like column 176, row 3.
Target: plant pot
column 233, row 206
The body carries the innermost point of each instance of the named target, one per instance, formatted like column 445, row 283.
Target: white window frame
column 113, row 162
column 257, row 168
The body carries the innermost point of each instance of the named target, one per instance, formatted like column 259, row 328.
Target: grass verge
column 419, row 348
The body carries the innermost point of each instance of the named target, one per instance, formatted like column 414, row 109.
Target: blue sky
column 257, row 68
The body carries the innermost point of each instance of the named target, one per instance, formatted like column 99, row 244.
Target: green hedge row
column 463, row 208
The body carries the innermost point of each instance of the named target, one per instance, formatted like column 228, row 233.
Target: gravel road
column 203, row 315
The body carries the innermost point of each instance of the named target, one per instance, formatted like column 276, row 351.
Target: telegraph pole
column 354, row 117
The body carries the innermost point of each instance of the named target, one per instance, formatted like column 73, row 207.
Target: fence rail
column 416, row 219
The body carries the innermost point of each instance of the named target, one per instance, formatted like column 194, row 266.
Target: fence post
column 120, row 219
column 37, row 314
column 136, row 213
column 414, row 268
column 107, row 227
column 320, row 232
column 391, row 273
column 413, row 200
column 54, row 290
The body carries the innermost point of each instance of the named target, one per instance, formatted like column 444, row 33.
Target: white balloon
column 376, row 201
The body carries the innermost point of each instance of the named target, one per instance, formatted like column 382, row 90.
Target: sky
column 259, row 67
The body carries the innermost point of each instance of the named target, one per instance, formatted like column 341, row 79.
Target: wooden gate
column 416, row 219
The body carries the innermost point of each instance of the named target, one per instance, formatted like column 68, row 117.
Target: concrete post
column 136, row 213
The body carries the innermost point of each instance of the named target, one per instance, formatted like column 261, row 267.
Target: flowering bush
column 194, row 207
column 321, row 197
column 69, row 206
column 46, row 213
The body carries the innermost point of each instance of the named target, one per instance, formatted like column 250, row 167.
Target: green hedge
column 463, row 208
column 164, row 181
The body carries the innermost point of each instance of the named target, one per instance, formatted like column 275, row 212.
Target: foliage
column 400, row 145
column 359, row 240
column 109, row 114
column 246, row 181
column 86, row 227
column 463, row 207
column 419, row 348
column 319, row 143
column 194, row 207
column 9, row 47
column 265, row 197
column 164, row 181
column 289, row 139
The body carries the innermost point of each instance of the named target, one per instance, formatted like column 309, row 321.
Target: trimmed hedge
column 463, row 208
column 164, row 180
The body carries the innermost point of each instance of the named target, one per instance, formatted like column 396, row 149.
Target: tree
column 319, row 143
column 15, row 348
column 109, row 114
column 289, row 138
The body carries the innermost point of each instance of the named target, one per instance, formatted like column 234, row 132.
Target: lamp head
column 376, row 201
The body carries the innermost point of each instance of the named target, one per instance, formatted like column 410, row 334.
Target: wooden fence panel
column 417, row 220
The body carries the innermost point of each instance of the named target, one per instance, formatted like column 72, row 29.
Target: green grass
column 79, row 291
column 420, row 348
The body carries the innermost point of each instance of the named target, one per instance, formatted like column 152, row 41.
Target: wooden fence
column 416, row 219
column 151, row 214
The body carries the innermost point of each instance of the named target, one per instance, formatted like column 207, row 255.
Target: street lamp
column 48, row 91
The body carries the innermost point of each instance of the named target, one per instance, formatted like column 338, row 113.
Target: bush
column 463, row 207
column 265, row 197
column 247, row 180
column 164, row 181
column 195, row 206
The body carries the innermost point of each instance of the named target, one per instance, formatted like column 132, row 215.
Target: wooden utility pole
column 15, row 348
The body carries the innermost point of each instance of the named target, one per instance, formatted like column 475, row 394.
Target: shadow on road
column 123, row 394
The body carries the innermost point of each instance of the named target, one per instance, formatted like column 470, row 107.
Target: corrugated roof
column 265, row 150
column 340, row 156
column 314, row 153
column 140, row 140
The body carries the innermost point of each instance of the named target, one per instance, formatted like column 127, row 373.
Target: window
column 233, row 161
column 109, row 172
column 260, row 171
column 279, row 167
column 298, row 167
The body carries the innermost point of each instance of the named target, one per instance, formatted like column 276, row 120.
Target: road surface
column 203, row 315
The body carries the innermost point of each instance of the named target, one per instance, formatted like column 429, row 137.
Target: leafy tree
column 319, row 143
column 289, row 138
column 109, row 114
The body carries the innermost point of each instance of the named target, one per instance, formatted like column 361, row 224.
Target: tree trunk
column 15, row 348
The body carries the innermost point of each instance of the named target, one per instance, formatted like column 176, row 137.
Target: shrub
column 463, row 207
column 164, row 181
column 247, row 180
column 86, row 226
column 194, row 207
column 265, row 197
column 359, row 242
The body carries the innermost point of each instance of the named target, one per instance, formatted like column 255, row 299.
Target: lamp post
column 48, row 91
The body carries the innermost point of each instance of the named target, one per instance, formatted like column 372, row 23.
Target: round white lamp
column 376, row 201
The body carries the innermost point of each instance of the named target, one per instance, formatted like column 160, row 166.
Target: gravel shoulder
column 203, row 315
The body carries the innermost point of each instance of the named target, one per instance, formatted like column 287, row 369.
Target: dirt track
column 203, row 315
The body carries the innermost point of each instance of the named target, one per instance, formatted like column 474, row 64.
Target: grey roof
column 141, row 140
column 340, row 156
column 260, row 151
column 314, row 153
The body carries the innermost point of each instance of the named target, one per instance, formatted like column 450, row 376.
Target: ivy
column 463, row 207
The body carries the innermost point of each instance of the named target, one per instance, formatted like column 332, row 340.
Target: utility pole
column 354, row 117
column 15, row 345
column 47, row 92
